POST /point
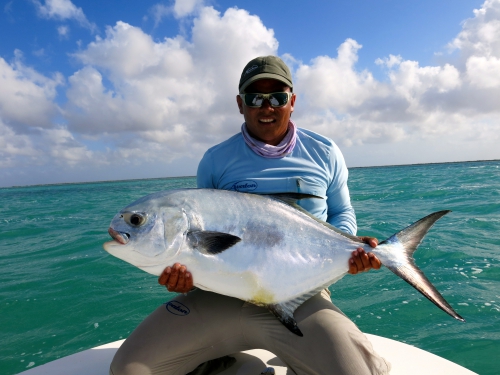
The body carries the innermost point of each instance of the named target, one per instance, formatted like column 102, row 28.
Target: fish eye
column 134, row 219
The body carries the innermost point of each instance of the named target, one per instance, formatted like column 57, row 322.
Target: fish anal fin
column 211, row 242
column 285, row 316
column 284, row 311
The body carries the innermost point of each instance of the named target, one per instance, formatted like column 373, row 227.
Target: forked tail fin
column 396, row 253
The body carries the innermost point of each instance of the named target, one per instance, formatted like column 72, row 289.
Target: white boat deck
column 405, row 360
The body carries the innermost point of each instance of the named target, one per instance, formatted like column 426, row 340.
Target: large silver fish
column 264, row 249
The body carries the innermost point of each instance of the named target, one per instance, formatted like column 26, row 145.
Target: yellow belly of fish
column 262, row 297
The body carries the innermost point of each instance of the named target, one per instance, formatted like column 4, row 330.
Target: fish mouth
column 120, row 237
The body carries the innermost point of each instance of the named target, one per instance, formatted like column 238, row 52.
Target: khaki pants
column 201, row 326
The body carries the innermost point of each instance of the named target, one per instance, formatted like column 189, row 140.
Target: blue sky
column 116, row 90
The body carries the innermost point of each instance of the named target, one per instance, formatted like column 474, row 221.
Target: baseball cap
column 265, row 67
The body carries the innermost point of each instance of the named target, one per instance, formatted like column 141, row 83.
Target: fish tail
column 404, row 243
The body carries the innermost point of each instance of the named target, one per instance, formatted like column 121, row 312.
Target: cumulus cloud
column 414, row 101
column 183, row 8
column 161, row 90
column 333, row 82
column 63, row 10
column 179, row 9
column 27, row 97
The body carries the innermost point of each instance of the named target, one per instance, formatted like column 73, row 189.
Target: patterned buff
column 269, row 151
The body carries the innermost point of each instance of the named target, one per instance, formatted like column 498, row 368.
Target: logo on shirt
column 177, row 308
column 245, row 185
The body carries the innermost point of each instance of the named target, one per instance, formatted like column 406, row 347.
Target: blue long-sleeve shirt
column 316, row 166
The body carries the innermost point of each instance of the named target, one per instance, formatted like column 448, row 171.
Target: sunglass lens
column 253, row 100
column 274, row 101
column 278, row 99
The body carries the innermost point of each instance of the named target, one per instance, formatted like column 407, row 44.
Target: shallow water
column 62, row 293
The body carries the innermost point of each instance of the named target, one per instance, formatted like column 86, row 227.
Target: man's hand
column 176, row 279
column 361, row 261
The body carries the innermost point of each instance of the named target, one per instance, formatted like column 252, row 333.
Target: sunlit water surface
column 62, row 293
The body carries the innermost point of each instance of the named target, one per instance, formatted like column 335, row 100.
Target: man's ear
column 240, row 103
column 292, row 103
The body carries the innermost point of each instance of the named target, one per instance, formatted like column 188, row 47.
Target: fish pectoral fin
column 285, row 315
column 210, row 242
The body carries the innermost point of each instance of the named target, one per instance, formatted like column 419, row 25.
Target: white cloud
column 480, row 35
column 333, row 82
column 14, row 147
column 26, row 97
column 63, row 10
column 479, row 45
column 159, row 11
column 63, row 31
column 179, row 9
column 183, row 8
column 160, row 90
column 484, row 72
column 416, row 101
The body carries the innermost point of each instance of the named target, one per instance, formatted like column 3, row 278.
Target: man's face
column 267, row 124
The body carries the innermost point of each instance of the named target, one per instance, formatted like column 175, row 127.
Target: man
column 270, row 155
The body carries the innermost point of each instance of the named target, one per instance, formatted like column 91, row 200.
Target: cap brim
column 260, row 76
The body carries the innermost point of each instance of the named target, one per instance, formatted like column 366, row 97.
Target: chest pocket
column 311, row 186
column 304, row 185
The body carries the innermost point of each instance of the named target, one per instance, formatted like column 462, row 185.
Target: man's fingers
column 181, row 281
column 372, row 241
column 374, row 261
column 364, row 259
column 162, row 280
column 174, row 277
column 358, row 261
column 352, row 267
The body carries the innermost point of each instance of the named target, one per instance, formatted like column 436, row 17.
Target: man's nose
column 267, row 104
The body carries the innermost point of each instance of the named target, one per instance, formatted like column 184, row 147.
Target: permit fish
column 264, row 249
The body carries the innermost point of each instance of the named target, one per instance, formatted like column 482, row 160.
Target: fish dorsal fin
column 210, row 242
column 291, row 200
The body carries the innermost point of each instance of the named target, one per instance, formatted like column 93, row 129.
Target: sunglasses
column 276, row 99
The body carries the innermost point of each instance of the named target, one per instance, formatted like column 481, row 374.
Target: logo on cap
column 251, row 69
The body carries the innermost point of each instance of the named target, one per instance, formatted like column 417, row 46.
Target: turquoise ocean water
column 61, row 293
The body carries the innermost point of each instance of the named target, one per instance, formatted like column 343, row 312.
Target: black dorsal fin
column 291, row 200
column 210, row 242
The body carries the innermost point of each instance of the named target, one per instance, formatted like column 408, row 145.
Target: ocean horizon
column 62, row 293
column 161, row 178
